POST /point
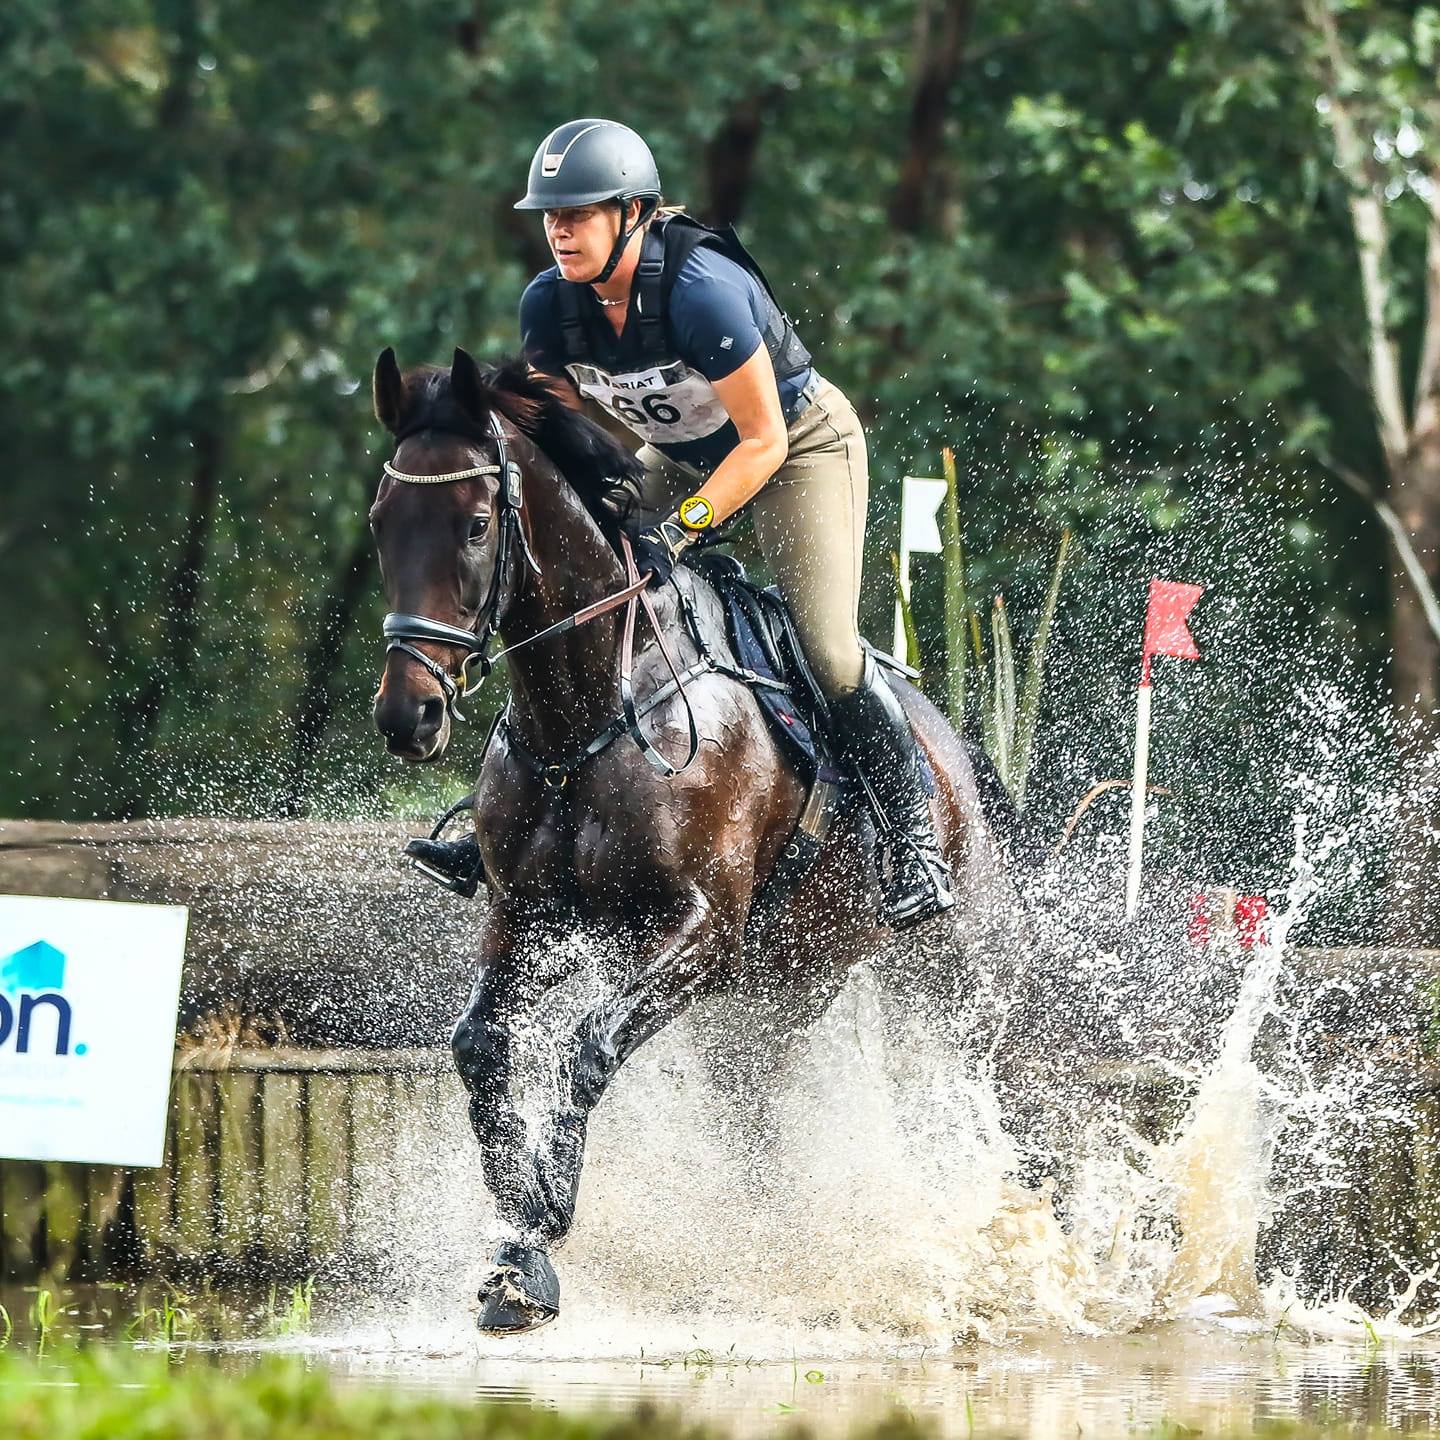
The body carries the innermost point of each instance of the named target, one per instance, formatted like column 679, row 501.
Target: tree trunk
column 322, row 663
column 730, row 156
column 1415, row 676
column 942, row 29
column 174, row 662
column 178, row 19
column 473, row 30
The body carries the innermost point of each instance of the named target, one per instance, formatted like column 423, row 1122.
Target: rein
column 399, row 629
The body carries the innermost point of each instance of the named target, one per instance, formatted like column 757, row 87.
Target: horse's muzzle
column 415, row 728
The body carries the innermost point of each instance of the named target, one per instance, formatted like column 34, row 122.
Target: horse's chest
column 596, row 861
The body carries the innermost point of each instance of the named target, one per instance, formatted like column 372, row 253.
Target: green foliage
column 1131, row 299
column 1008, row 701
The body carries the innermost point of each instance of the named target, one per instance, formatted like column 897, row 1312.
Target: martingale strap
column 558, row 773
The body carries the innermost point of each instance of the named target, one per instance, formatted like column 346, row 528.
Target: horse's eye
column 479, row 524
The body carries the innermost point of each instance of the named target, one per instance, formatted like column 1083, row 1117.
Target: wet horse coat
column 666, row 869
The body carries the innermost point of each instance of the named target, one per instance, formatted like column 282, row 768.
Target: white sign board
column 88, row 996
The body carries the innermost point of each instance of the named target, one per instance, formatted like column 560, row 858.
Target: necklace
column 604, row 301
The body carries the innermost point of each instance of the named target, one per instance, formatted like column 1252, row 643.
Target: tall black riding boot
column 875, row 736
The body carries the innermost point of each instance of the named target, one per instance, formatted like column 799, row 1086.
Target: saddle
column 762, row 635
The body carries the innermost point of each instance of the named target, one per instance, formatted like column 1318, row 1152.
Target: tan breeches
column 810, row 522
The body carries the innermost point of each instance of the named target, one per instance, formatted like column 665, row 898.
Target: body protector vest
column 660, row 397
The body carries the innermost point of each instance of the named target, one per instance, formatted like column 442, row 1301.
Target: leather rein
column 400, row 629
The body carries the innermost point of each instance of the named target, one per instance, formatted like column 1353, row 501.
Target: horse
column 498, row 517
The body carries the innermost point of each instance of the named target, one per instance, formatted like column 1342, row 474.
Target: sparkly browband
column 440, row 479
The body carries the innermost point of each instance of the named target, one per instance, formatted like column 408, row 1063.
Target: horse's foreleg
column 481, row 1047
column 671, row 974
column 521, row 1290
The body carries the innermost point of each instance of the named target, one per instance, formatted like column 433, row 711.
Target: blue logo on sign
column 30, row 978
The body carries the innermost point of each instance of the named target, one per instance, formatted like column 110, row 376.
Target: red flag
column 1166, row 632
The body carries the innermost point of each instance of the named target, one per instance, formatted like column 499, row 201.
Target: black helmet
column 587, row 161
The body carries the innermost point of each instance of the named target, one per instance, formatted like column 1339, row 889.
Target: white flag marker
column 919, row 535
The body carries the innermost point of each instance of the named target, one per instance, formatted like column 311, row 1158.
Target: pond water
column 1198, row 1373
column 1211, row 1371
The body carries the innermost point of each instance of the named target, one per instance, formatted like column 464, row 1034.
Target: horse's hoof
column 520, row 1293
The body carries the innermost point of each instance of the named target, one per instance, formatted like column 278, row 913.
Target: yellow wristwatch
column 696, row 513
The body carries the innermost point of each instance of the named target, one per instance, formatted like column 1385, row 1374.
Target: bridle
column 400, row 628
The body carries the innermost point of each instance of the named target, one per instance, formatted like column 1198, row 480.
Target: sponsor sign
column 88, row 997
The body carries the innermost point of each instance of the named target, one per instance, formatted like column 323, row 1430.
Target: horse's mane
column 594, row 464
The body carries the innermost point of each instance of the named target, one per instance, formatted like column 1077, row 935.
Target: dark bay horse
column 664, row 867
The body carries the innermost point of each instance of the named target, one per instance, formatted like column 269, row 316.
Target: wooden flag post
column 1167, row 608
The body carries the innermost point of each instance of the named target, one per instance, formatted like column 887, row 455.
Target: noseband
column 400, row 629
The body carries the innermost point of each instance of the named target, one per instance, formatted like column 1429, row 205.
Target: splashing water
column 887, row 1217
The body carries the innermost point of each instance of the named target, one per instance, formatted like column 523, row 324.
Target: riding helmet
column 586, row 161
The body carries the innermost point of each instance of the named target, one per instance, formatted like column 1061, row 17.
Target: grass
column 295, row 1318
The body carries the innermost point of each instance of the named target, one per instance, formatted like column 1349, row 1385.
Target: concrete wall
column 318, row 926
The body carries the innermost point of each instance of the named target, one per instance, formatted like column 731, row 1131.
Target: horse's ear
column 468, row 386
column 388, row 390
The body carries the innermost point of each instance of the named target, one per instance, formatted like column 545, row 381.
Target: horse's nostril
column 432, row 714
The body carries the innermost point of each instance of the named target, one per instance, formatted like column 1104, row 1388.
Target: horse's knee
column 476, row 1050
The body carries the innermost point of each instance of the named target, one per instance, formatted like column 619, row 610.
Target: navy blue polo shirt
column 713, row 323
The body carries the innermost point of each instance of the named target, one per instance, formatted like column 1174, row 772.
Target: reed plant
column 44, row 1317
column 296, row 1317
column 167, row 1323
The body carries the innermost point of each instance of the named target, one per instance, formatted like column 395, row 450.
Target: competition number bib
column 666, row 403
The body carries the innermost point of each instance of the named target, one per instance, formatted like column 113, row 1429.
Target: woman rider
column 667, row 327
